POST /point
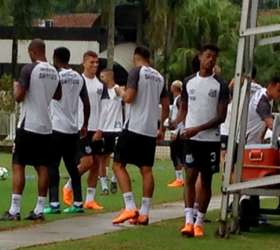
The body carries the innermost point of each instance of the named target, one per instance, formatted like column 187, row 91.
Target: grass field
column 165, row 235
column 163, row 171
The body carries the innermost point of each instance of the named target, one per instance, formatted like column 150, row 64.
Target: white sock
column 40, row 205
column 179, row 174
column 90, row 194
column 103, row 181
column 129, row 201
column 113, row 178
column 189, row 215
column 145, row 207
column 68, row 184
column 15, row 204
column 195, row 208
column 78, row 203
column 199, row 219
column 55, row 204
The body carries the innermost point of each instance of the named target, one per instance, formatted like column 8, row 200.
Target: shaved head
column 37, row 50
column 37, row 44
column 107, row 76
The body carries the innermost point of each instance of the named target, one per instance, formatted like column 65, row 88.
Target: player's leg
column 90, row 202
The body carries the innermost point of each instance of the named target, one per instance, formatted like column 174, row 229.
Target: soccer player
column 137, row 143
column 66, row 131
column 175, row 145
column 110, row 124
column 37, row 85
column 204, row 103
column 89, row 159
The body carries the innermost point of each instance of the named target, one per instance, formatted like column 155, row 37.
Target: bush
column 7, row 102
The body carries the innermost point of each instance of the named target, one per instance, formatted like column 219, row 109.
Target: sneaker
column 67, row 196
column 92, row 205
column 10, row 217
column 188, row 230
column 73, row 210
column 125, row 215
column 176, row 184
column 142, row 219
column 35, row 217
column 113, row 187
column 105, row 191
column 198, row 231
column 52, row 210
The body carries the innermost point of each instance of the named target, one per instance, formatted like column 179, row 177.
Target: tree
column 192, row 24
column 107, row 8
column 23, row 12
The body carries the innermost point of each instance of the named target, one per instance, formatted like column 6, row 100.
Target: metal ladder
column 238, row 123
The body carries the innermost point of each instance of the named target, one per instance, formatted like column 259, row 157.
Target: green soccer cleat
column 52, row 210
column 73, row 210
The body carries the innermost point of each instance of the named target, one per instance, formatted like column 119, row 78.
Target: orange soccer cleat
column 126, row 215
column 92, row 205
column 67, row 196
column 188, row 230
column 176, row 184
column 198, row 231
column 142, row 219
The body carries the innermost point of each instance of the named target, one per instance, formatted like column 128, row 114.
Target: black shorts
column 176, row 151
column 64, row 146
column 135, row 149
column 105, row 146
column 224, row 142
column 84, row 147
column 202, row 155
column 32, row 149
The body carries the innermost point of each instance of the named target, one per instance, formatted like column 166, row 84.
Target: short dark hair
column 211, row 47
column 195, row 64
column 90, row 53
column 274, row 80
column 107, row 70
column 62, row 54
column 143, row 52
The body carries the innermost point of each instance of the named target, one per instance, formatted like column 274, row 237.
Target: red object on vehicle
column 260, row 160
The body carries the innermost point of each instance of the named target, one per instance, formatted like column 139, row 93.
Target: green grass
column 163, row 171
column 165, row 235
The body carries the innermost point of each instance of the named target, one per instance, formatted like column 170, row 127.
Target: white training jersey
column 226, row 124
column 95, row 89
column 40, row 80
column 202, row 95
column 173, row 114
column 259, row 109
column 111, row 115
column 65, row 111
column 143, row 112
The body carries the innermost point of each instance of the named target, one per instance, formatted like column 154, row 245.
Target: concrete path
column 85, row 226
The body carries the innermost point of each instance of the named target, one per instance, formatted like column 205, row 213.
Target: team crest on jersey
column 189, row 158
column 99, row 91
column 212, row 93
column 192, row 91
column 88, row 149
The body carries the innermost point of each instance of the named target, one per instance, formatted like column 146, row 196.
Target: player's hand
column 120, row 90
column 160, row 136
column 172, row 125
column 189, row 132
column 83, row 132
column 97, row 136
